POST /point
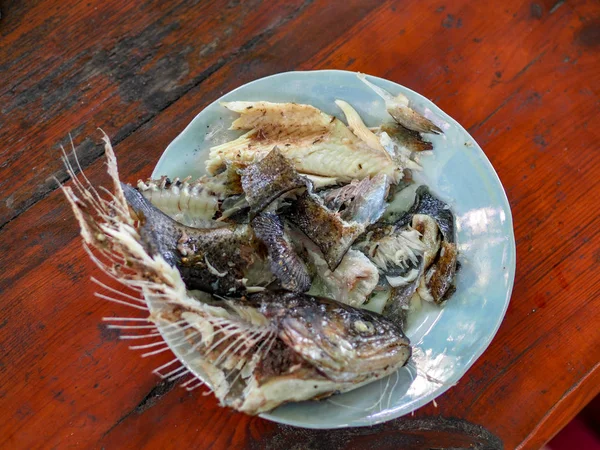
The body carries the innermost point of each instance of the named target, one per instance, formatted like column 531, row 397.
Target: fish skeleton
column 254, row 352
column 192, row 203
column 315, row 142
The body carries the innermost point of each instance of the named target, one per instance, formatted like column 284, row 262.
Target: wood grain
column 520, row 76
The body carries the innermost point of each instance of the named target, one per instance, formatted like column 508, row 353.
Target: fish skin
column 326, row 229
column 314, row 141
column 440, row 276
column 425, row 203
column 333, row 232
column 397, row 307
column 412, row 140
column 233, row 251
column 266, row 180
column 285, row 264
column 346, row 344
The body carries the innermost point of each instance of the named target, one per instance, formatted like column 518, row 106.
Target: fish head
column 344, row 343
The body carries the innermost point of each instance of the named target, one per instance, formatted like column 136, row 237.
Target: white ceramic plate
column 446, row 341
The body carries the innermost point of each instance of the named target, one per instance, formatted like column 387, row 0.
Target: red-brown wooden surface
column 522, row 77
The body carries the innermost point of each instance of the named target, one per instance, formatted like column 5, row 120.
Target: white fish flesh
column 316, row 143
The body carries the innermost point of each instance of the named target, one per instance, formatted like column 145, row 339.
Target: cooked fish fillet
column 317, row 143
column 351, row 282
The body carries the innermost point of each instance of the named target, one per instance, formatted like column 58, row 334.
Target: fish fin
column 412, row 120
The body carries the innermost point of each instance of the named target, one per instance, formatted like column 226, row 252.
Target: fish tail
column 226, row 338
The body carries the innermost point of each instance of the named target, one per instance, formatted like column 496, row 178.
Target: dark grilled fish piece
column 326, row 229
column 285, row 264
column 268, row 179
column 439, row 278
column 344, row 343
column 441, row 258
column 428, row 205
column 335, row 232
column 410, row 139
column 221, row 260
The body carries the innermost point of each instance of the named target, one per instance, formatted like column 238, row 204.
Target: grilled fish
column 254, row 352
column 315, row 142
column 429, row 214
column 409, row 139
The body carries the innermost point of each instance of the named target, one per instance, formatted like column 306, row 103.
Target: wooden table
column 524, row 78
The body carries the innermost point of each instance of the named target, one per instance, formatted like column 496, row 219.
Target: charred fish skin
column 268, row 179
column 285, row 264
column 332, row 235
column 410, row 139
column 213, row 260
column 335, row 232
column 346, row 344
column 428, row 205
column 440, row 276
